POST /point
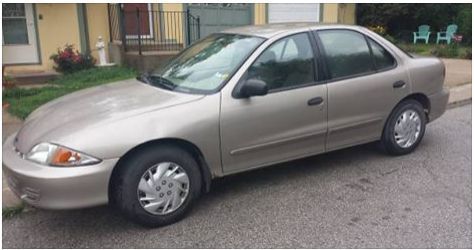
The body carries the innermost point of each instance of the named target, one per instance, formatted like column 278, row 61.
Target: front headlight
column 55, row 155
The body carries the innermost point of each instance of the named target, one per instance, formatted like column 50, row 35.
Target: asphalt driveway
column 353, row 198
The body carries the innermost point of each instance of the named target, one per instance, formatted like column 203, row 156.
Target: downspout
column 38, row 45
column 321, row 12
column 83, row 27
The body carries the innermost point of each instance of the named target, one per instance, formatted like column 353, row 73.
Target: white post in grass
column 100, row 45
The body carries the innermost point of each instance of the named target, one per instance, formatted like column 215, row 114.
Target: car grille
column 31, row 195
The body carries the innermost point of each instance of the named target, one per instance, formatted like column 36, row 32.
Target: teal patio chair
column 422, row 34
column 448, row 34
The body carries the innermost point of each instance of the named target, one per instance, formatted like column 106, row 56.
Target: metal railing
column 152, row 30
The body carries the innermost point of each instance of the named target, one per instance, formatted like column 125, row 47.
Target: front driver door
column 289, row 122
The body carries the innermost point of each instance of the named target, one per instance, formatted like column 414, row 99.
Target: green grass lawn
column 439, row 50
column 24, row 101
column 9, row 212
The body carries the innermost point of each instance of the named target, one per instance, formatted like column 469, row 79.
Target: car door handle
column 315, row 101
column 398, row 84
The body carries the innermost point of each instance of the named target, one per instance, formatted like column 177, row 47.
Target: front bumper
column 438, row 103
column 56, row 187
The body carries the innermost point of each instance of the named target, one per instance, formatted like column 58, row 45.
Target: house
column 136, row 31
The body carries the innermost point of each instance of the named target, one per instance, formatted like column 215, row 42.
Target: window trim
column 318, row 76
column 395, row 63
column 329, row 78
column 371, row 52
column 316, row 80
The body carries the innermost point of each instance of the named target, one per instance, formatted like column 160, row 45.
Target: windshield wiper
column 156, row 80
column 145, row 78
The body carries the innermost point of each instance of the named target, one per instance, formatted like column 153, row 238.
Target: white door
column 293, row 12
column 19, row 36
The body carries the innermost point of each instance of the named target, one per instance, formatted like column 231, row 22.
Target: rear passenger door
column 361, row 75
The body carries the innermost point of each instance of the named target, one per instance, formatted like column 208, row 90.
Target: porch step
column 149, row 60
column 28, row 78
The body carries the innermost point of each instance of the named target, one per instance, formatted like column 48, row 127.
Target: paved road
column 354, row 198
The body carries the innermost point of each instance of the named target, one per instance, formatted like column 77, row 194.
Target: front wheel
column 404, row 128
column 157, row 186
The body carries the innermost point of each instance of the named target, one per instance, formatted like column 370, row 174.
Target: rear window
column 347, row 53
column 383, row 59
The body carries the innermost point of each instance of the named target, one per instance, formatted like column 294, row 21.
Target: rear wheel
column 157, row 186
column 405, row 128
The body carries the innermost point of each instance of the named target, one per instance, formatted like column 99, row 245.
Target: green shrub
column 67, row 60
column 390, row 38
column 439, row 50
column 448, row 51
column 467, row 54
column 415, row 48
column 378, row 29
column 401, row 19
column 463, row 20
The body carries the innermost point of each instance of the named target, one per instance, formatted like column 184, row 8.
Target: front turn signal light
column 55, row 155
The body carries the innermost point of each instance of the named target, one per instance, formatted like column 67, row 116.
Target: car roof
column 269, row 30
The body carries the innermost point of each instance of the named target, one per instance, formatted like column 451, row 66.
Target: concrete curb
column 459, row 103
column 460, row 95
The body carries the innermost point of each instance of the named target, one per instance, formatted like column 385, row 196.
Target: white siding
column 293, row 12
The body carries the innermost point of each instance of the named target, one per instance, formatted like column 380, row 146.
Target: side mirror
column 252, row 87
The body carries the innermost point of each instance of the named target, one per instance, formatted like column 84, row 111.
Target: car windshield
column 206, row 65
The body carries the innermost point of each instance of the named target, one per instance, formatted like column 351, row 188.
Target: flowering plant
column 68, row 60
column 378, row 29
column 457, row 38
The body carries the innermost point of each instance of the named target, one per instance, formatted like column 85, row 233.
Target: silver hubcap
column 407, row 128
column 163, row 188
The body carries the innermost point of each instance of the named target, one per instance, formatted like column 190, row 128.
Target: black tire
column 388, row 142
column 125, row 184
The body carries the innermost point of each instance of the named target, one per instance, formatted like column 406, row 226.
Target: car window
column 207, row 64
column 383, row 59
column 347, row 53
column 291, row 51
column 287, row 63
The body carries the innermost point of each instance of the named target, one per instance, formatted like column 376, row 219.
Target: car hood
column 93, row 107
